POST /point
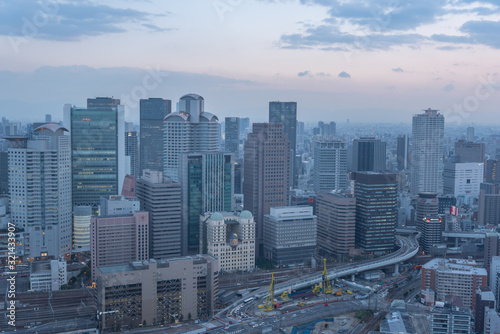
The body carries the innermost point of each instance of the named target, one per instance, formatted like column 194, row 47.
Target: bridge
column 408, row 249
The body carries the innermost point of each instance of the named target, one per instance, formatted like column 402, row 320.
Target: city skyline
column 399, row 57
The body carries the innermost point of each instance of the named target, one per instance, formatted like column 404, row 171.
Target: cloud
column 323, row 74
column 399, row 70
column 448, row 88
column 344, row 74
column 67, row 21
column 303, row 74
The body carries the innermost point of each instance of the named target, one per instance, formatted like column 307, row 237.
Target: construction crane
column 327, row 285
column 269, row 303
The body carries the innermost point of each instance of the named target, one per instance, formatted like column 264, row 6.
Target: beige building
column 230, row 237
column 118, row 240
column 157, row 292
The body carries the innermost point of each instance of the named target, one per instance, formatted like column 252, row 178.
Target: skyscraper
column 286, row 113
column 469, row 152
column 98, row 149
column 330, row 165
column 403, row 152
column 131, row 150
column 376, row 210
column 463, row 180
column 232, row 135
column 40, row 191
column 191, row 129
column 161, row 197
column 368, row 155
column 266, row 181
column 207, row 183
column 153, row 111
column 427, row 152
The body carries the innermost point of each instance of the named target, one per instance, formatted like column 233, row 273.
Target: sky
column 363, row 60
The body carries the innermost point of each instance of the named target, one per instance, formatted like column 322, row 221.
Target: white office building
column 330, row 165
column 48, row 275
column 463, row 181
column 40, row 191
column 229, row 237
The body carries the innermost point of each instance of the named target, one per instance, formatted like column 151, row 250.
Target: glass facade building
column 152, row 113
column 207, row 186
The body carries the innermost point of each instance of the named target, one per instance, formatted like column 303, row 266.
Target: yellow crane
column 284, row 296
column 327, row 285
column 269, row 302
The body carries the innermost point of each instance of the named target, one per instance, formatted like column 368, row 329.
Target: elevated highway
column 408, row 249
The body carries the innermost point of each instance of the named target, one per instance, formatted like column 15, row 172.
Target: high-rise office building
column 207, row 186
column 40, row 191
column 427, row 152
column 330, row 165
column 488, row 209
column 161, row 197
column 81, row 228
column 431, row 229
column 376, row 210
column 290, row 235
column 118, row 240
column 4, row 172
column 266, row 181
column 286, row 113
column 463, row 180
column 368, row 155
column 494, row 275
column 466, row 151
column 98, row 149
column 118, row 205
column 336, row 223
column 327, row 129
column 191, row 129
column 132, row 151
column 492, row 171
column 484, row 298
column 232, row 135
column 152, row 113
column 403, row 152
column 470, row 134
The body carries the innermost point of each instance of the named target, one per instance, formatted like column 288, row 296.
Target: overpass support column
column 456, row 242
column 353, row 276
column 396, row 269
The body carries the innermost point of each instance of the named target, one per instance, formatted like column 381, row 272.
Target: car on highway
column 325, row 304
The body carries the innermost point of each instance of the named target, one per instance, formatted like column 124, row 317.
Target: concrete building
column 97, row 149
column 427, row 205
column 290, row 235
column 229, row 237
column 336, row 215
column 161, row 197
column 368, row 155
column 376, row 210
column 484, row 298
column 431, row 229
column 48, row 275
column 330, row 165
column 157, row 292
column 467, row 151
column 403, row 152
column 491, row 248
column 191, row 129
column 488, row 209
column 152, row 112
column 266, row 181
column 285, row 113
column 492, row 171
column 40, row 191
column 427, row 152
column 450, row 319
column 454, row 277
column 207, row 185
column 117, row 240
column 494, row 275
column 491, row 321
column 118, row 205
column 463, row 181
column 81, row 228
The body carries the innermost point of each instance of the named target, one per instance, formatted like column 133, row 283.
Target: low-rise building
column 48, row 275
column 157, row 292
column 230, row 237
column 450, row 319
